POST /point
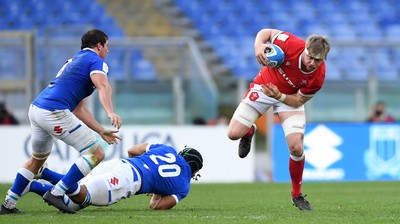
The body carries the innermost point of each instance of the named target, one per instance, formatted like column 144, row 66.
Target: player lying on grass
column 154, row 169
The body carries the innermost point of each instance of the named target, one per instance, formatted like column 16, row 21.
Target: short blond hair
column 317, row 46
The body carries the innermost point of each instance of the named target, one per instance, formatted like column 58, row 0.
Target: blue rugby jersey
column 72, row 83
column 163, row 171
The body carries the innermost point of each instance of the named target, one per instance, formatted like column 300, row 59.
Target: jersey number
column 167, row 170
column 63, row 67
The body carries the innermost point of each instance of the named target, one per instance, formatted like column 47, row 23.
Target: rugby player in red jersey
column 286, row 88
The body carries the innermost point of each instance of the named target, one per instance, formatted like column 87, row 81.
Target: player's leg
column 293, row 124
column 242, row 126
column 41, row 145
column 76, row 134
column 40, row 188
column 53, row 177
column 95, row 180
column 106, row 188
column 91, row 153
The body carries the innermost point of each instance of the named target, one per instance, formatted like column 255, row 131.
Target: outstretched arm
column 105, row 96
column 162, row 202
column 110, row 136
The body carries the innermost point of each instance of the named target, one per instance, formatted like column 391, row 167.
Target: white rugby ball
column 275, row 56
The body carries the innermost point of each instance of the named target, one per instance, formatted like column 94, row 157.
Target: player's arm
column 105, row 96
column 137, row 150
column 260, row 44
column 291, row 100
column 295, row 100
column 162, row 202
column 86, row 117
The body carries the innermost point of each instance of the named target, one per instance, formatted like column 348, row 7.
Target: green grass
column 355, row 202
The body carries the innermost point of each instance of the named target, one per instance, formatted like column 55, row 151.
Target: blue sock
column 77, row 171
column 72, row 177
column 72, row 189
column 40, row 188
column 51, row 176
column 22, row 180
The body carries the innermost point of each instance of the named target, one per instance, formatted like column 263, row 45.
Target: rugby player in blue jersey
column 59, row 112
column 154, row 169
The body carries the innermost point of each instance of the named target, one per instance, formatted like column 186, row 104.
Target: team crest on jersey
column 253, row 96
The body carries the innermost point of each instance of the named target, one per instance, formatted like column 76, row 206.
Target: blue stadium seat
column 8, row 63
column 114, row 59
column 387, row 73
column 392, row 33
column 143, row 70
column 333, row 72
column 357, row 73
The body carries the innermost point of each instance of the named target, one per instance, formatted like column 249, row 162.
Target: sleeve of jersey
column 152, row 146
column 281, row 39
column 176, row 198
column 99, row 66
column 179, row 197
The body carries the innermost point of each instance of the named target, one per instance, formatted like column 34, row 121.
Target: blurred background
column 179, row 62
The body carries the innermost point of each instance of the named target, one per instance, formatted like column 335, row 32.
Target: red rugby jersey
column 289, row 76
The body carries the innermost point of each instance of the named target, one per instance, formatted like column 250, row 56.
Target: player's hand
column 110, row 136
column 270, row 90
column 260, row 53
column 116, row 120
column 155, row 199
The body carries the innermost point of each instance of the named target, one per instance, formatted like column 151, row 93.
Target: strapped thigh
column 294, row 124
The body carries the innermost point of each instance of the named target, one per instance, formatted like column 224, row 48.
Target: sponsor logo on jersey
column 114, row 181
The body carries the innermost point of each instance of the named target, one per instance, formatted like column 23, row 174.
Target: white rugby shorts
column 261, row 102
column 59, row 124
column 112, row 181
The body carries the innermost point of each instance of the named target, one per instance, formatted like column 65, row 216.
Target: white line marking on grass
column 206, row 217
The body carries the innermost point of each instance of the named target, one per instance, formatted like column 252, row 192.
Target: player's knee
column 296, row 149
column 232, row 134
column 94, row 154
column 243, row 118
column 99, row 154
column 237, row 133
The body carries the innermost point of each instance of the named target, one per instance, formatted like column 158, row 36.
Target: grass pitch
column 336, row 202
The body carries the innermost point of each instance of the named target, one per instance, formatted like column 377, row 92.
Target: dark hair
column 92, row 37
column 193, row 158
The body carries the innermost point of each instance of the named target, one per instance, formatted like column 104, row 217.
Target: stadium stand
column 223, row 29
column 227, row 25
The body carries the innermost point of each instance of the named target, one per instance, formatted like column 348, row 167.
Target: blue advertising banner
column 342, row 152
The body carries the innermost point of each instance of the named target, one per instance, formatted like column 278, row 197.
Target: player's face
column 103, row 50
column 311, row 63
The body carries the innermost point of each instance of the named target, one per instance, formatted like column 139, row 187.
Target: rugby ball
column 275, row 56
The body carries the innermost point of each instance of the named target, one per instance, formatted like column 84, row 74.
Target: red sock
column 296, row 169
column 250, row 132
